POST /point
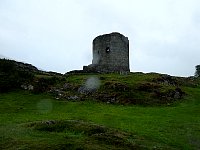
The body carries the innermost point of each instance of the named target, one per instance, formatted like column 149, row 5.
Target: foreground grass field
column 30, row 121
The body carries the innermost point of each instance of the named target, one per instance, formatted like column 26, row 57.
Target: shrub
column 11, row 77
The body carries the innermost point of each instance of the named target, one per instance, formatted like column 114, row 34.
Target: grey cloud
column 164, row 35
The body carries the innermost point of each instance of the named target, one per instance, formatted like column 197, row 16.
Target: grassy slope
column 177, row 126
column 135, row 88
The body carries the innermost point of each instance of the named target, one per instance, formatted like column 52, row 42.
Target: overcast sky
column 56, row 35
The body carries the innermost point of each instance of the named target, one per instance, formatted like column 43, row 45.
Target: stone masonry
column 110, row 54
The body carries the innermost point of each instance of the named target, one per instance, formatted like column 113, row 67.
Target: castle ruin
column 110, row 54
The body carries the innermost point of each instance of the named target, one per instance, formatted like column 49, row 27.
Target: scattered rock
column 166, row 80
column 68, row 86
column 49, row 122
column 111, row 100
column 84, row 90
column 178, row 93
column 27, row 87
column 73, row 97
column 148, row 87
column 91, row 85
column 106, row 97
column 169, row 95
column 116, row 86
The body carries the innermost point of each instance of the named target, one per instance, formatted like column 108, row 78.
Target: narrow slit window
column 107, row 49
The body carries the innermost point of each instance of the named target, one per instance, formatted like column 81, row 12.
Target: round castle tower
column 110, row 54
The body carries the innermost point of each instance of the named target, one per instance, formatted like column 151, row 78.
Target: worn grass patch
column 88, row 133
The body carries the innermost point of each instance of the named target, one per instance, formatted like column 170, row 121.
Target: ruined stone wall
column 110, row 53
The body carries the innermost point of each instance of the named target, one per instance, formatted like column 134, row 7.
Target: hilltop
column 14, row 74
column 131, row 88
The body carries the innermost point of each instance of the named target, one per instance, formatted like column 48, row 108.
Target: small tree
column 197, row 73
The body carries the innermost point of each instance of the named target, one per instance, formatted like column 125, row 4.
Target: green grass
column 134, row 88
column 43, row 76
column 157, row 120
column 173, row 127
column 96, row 125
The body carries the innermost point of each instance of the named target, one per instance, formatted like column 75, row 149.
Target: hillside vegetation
column 131, row 88
column 45, row 110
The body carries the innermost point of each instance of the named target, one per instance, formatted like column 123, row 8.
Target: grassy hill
column 101, row 111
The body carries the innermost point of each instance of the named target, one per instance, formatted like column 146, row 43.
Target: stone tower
column 110, row 54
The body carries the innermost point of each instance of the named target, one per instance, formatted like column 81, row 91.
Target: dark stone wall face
column 110, row 53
